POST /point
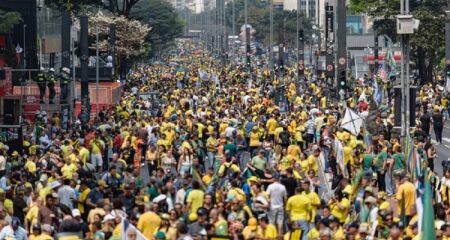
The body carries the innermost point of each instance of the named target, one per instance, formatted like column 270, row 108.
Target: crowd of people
column 214, row 153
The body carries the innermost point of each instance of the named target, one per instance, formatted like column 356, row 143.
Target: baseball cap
column 76, row 213
column 108, row 217
column 202, row 211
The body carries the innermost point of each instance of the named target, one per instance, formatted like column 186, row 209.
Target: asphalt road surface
column 443, row 150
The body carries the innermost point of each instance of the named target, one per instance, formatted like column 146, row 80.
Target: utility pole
column 85, row 103
column 404, row 10
column 406, row 25
column 112, row 45
column 447, row 53
column 24, row 46
column 329, row 44
column 300, row 44
column 233, row 13
column 247, row 36
column 65, row 62
column 96, row 71
column 271, row 36
column 341, row 36
column 375, row 52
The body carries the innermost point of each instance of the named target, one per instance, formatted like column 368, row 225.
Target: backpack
column 163, row 206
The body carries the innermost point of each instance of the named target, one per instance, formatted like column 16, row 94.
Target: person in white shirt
column 181, row 193
column 164, row 195
column 2, row 164
column 277, row 195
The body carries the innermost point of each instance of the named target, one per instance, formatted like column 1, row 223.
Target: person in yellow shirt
column 269, row 231
column 313, row 197
column 207, row 178
column 254, row 137
column 31, row 217
column 68, row 169
column 30, row 165
column 336, row 228
column 252, row 230
column 339, row 206
column 271, row 126
column 195, row 198
column 299, row 209
column 313, row 160
column 83, row 154
column 148, row 222
column 211, row 149
column 46, row 233
column 84, row 191
column 406, row 193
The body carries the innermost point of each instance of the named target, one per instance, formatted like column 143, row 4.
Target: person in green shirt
column 258, row 163
column 368, row 162
column 380, row 166
column 398, row 163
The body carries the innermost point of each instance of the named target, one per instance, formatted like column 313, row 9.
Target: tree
column 259, row 17
column 426, row 43
column 8, row 20
column 165, row 22
column 130, row 37
column 122, row 7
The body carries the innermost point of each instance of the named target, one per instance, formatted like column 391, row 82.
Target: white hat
column 76, row 213
column 55, row 184
column 43, row 178
column 108, row 217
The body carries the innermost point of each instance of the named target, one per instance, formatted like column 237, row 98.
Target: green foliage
column 161, row 16
column 8, row 20
column 426, row 43
column 119, row 7
column 74, row 6
column 285, row 22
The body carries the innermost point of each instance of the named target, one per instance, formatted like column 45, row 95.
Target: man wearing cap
column 370, row 203
column 96, row 194
column 252, row 230
column 198, row 226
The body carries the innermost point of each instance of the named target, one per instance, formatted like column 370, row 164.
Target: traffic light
column 447, row 70
column 300, row 35
column 342, row 80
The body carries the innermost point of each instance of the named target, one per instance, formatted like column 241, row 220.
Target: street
column 443, row 150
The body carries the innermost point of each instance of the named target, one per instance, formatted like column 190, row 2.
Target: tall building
column 309, row 7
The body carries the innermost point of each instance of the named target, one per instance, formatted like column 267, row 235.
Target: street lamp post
column 24, row 47
column 271, row 36
column 96, row 69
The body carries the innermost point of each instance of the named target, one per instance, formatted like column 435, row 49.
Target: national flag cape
column 127, row 227
column 428, row 231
